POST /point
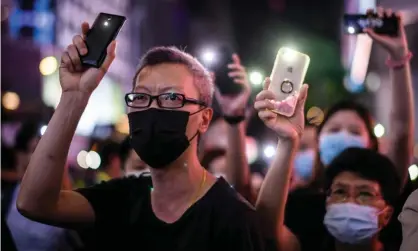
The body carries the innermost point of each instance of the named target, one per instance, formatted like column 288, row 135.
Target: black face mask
column 159, row 136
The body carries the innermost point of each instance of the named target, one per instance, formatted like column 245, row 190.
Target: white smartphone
column 287, row 78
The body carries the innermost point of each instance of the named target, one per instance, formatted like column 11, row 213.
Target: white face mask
column 352, row 223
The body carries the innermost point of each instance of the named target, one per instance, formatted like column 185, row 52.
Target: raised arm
column 402, row 112
column 271, row 201
column 40, row 197
column 234, row 109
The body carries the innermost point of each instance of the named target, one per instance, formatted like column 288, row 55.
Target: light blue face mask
column 304, row 163
column 352, row 223
column 332, row 144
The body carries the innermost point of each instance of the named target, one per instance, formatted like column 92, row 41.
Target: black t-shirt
column 304, row 216
column 221, row 220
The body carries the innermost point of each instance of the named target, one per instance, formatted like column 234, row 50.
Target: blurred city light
column 93, row 160
column 269, row 151
column 81, row 159
column 373, row 82
column 351, row 30
column 48, row 65
column 208, row 57
column 11, row 100
column 256, row 78
column 379, row 130
column 43, row 129
column 413, row 172
column 315, row 115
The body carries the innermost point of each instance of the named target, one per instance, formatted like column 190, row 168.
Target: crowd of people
column 327, row 188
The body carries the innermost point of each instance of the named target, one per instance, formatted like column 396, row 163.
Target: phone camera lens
column 286, row 87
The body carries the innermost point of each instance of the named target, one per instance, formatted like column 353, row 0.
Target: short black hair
column 107, row 150
column 370, row 165
column 27, row 131
column 171, row 54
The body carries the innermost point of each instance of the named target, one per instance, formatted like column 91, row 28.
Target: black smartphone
column 386, row 25
column 224, row 83
column 104, row 30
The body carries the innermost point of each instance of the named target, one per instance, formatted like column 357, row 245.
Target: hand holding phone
column 74, row 77
column 104, row 30
column 287, row 78
column 385, row 24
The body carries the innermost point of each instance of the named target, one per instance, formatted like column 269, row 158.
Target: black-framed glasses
column 165, row 100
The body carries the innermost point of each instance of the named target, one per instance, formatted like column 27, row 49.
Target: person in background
column 131, row 162
column 27, row 234
column 409, row 220
column 348, row 125
column 305, row 158
column 111, row 164
column 181, row 206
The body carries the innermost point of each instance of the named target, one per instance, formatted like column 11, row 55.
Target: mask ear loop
column 197, row 133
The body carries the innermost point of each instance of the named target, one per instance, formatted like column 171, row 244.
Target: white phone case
column 287, row 78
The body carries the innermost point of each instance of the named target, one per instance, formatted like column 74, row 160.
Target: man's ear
column 207, row 115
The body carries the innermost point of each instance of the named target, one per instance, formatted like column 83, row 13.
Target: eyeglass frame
column 185, row 100
column 356, row 196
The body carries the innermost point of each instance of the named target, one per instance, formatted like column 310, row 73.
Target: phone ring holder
column 286, row 87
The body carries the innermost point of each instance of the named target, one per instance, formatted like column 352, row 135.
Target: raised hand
column 235, row 105
column 286, row 127
column 397, row 46
column 73, row 76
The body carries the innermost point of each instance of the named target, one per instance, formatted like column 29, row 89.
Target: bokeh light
column 315, row 115
column 43, row 129
column 208, row 57
column 256, row 78
column 413, row 172
column 93, row 160
column 48, row 65
column 81, row 159
column 379, row 130
column 11, row 100
column 269, row 151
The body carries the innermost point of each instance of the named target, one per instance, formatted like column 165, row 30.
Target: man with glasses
column 181, row 206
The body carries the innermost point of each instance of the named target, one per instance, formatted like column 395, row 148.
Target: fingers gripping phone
column 104, row 30
column 356, row 23
column 287, row 78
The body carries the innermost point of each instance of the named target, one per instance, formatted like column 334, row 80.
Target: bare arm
column 237, row 168
column 40, row 197
column 271, row 202
column 402, row 120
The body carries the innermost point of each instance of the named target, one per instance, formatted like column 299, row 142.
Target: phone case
column 97, row 40
column 287, row 78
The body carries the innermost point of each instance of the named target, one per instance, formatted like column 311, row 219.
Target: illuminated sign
column 41, row 19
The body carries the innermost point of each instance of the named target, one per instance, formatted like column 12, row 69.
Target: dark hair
column 370, row 165
column 161, row 55
column 107, row 150
column 27, row 131
column 124, row 150
column 364, row 115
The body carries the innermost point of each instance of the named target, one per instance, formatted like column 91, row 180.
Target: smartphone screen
column 355, row 23
column 287, row 78
column 105, row 29
column 224, row 83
